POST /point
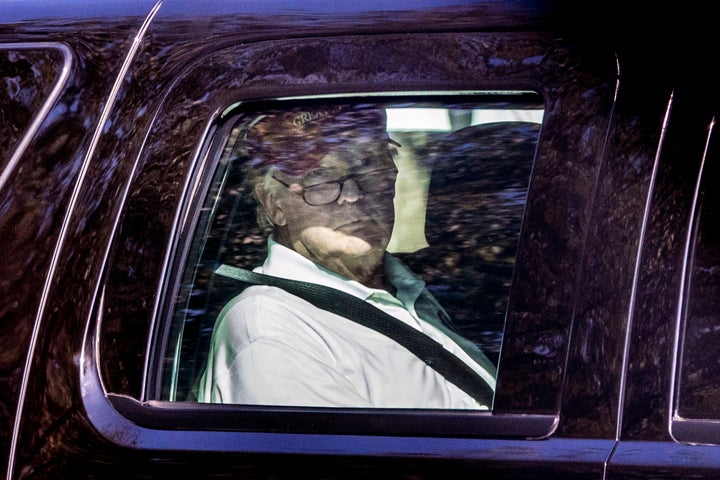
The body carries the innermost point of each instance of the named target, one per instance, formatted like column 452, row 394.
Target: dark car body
column 610, row 363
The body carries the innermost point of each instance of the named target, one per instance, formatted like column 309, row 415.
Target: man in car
column 324, row 182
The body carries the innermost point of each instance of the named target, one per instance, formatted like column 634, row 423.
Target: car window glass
column 456, row 172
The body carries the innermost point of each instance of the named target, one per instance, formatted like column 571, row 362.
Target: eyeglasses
column 327, row 192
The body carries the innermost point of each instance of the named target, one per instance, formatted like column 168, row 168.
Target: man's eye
column 385, row 173
column 318, row 182
column 321, row 187
column 372, row 175
column 317, row 176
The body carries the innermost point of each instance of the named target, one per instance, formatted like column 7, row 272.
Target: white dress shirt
column 270, row 347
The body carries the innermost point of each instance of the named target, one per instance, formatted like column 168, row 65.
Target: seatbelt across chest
column 332, row 300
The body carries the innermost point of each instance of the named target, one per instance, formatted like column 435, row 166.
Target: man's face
column 355, row 227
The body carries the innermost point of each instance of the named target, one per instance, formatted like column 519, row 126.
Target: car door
column 155, row 202
column 54, row 85
column 669, row 426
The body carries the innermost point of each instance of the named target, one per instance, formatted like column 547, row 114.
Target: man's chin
column 352, row 250
column 360, row 242
column 353, row 246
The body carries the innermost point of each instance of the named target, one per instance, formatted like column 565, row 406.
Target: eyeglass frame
column 341, row 182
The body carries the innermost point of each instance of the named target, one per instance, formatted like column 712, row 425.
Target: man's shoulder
column 262, row 297
column 261, row 311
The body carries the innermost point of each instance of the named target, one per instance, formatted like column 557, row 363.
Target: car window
column 456, row 171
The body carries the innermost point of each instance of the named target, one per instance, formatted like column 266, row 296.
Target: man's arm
column 264, row 353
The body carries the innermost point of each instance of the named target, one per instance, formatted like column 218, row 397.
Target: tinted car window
column 463, row 169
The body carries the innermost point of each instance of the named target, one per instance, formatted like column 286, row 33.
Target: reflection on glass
column 417, row 215
column 27, row 76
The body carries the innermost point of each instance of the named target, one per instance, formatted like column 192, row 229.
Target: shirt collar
column 286, row 263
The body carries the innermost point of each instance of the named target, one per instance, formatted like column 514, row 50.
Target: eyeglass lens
column 328, row 192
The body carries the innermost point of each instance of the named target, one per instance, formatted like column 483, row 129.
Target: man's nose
column 350, row 192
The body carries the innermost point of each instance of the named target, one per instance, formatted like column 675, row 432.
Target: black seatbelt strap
column 428, row 350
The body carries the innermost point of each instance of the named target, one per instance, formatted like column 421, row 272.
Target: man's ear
column 268, row 198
